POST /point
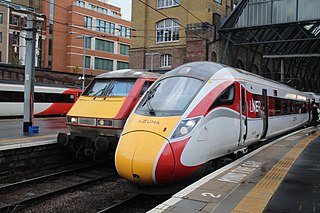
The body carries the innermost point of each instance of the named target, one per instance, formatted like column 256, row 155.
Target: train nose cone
column 137, row 156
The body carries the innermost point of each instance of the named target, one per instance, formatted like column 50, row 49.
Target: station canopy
column 287, row 29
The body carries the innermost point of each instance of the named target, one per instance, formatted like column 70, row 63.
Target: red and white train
column 199, row 112
column 47, row 100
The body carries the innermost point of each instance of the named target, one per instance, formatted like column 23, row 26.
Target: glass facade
column 122, row 65
column 266, row 12
column 103, row 64
column 124, row 49
column 106, row 46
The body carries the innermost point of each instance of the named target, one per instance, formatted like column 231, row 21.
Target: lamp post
column 84, row 37
column 151, row 59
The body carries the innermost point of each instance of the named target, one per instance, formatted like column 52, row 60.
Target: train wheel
column 102, row 144
column 63, row 139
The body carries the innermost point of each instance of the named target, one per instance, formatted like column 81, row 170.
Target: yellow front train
column 96, row 120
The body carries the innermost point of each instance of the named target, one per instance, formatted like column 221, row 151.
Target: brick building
column 3, row 33
column 13, row 18
column 98, row 24
column 169, row 33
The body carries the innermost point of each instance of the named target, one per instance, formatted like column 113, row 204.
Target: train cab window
column 225, row 98
column 170, row 96
column 97, row 87
column 109, row 87
column 120, row 88
column 145, row 87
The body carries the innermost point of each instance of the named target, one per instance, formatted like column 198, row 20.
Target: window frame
column 167, row 3
column 124, row 49
column 86, row 22
column 166, row 33
column 104, row 62
column 166, row 60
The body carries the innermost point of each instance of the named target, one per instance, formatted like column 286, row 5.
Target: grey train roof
column 203, row 70
column 128, row 73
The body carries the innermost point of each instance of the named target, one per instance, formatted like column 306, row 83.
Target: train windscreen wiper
column 148, row 97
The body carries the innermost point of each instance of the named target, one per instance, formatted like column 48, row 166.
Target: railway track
column 23, row 193
column 136, row 203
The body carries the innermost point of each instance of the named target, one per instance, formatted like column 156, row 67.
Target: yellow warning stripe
column 27, row 138
column 257, row 199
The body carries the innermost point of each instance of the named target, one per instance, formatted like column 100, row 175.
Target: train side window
column 145, row 87
column 272, row 108
column 291, row 102
column 278, row 106
column 11, row 96
column 285, row 107
column 225, row 98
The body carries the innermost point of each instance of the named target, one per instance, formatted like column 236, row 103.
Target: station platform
column 13, row 137
column 282, row 176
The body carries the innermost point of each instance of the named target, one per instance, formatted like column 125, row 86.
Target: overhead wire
column 113, row 36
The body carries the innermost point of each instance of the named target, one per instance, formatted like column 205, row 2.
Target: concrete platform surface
column 12, row 135
column 261, row 181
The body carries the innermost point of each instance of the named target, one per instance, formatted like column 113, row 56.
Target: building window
column 0, row 37
column 168, row 30
column 16, row 39
column 88, row 62
column 88, row 22
column 15, row 20
column 88, row 42
column 106, row 46
column 104, row 26
column 1, row 18
column 103, row 64
column 81, row 3
column 167, row 3
column 124, row 49
column 122, row 65
column 166, row 60
column 110, row 28
column 124, row 32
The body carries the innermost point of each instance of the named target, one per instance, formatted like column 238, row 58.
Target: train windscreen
column 109, row 87
column 169, row 97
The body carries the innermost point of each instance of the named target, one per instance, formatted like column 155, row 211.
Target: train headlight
column 185, row 127
column 72, row 120
column 104, row 122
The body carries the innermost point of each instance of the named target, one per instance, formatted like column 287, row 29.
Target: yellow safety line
column 257, row 199
column 26, row 138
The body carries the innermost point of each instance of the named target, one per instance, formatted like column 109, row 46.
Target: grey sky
column 125, row 6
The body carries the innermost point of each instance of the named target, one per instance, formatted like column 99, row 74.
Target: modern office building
column 95, row 23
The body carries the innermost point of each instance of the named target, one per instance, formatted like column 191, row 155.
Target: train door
column 264, row 114
column 243, row 115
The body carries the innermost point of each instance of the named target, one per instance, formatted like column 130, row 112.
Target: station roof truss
column 281, row 29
